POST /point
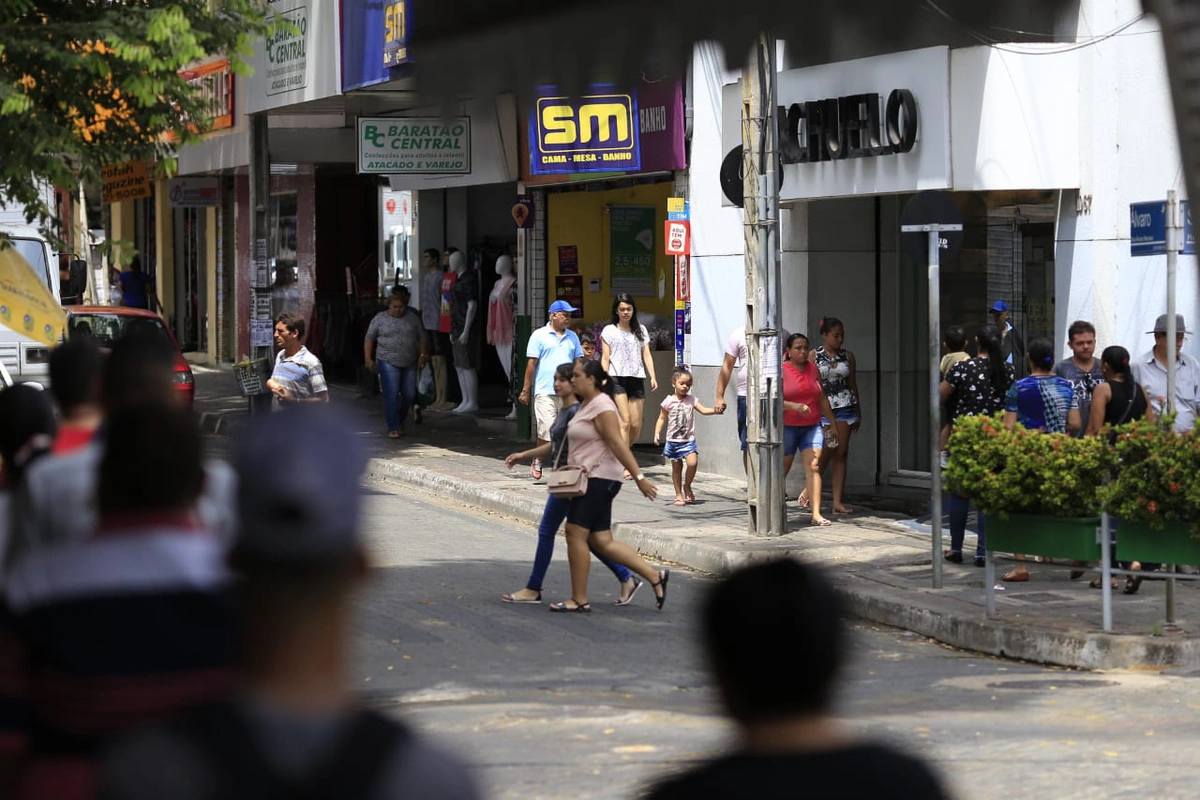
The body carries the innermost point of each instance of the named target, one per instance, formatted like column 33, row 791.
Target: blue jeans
column 958, row 507
column 397, row 383
column 552, row 519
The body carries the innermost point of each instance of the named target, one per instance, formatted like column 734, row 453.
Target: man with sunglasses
column 1082, row 369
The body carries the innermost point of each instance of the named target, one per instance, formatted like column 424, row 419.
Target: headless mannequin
column 500, row 319
column 431, row 293
column 468, row 378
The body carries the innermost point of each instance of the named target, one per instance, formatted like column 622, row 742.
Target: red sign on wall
column 678, row 237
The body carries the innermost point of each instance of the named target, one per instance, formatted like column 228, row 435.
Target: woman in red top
column 803, row 404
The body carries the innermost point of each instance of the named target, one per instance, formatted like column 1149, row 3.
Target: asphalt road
column 595, row 706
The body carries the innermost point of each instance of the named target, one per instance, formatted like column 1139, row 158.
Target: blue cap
column 298, row 495
column 562, row 305
column 999, row 305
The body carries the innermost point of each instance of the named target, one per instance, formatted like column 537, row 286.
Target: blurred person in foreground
column 295, row 731
column 75, row 368
column 785, row 612
column 27, row 432
column 58, row 502
column 131, row 625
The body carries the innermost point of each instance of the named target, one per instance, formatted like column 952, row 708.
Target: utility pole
column 764, row 391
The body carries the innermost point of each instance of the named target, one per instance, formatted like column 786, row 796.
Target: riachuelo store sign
column 414, row 145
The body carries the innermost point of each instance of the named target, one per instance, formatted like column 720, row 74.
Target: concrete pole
column 1172, row 258
column 764, row 395
column 260, row 212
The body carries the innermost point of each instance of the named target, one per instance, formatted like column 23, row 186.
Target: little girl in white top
column 678, row 414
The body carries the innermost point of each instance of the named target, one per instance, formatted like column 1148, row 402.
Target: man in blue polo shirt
column 549, row 346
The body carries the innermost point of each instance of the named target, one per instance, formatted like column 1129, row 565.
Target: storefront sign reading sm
column 594, row 133
column 414, row 145
column 876, row 125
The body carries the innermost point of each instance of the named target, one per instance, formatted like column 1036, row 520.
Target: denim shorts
column 594, row 509
column 802, row 437
column 677, row 451
column 846, row 415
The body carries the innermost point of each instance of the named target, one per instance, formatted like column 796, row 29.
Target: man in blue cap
column 1011, row 345
column 549, row 346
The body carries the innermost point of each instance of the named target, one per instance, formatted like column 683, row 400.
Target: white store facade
column 1043, row 147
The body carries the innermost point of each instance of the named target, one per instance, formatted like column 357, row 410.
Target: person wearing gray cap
column 1150, row 370
column 295, row 730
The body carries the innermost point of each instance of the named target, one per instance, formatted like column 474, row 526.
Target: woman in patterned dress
column 839, row 379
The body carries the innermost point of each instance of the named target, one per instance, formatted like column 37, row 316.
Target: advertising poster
column 631, row 249
column 570, row 288
column 568, row 260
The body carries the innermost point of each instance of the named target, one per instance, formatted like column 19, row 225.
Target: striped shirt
column 131, row 626
column 1042, row 402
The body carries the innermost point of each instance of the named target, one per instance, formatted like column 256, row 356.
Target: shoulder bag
column 566, row 482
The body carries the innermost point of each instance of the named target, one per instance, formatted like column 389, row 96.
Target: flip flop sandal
column 1015, row 577
column 822, row 523
column 512, row 598
column 679, row 502
column 637, row 584
column 803, row 501
column 688, row 499
column 584, row 608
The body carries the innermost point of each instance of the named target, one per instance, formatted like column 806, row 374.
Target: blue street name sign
column 1189, row 233
column 1148, row 228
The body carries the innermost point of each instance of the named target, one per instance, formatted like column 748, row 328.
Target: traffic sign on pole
column 1148, row 228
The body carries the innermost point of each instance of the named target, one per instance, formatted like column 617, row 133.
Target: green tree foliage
column 85, row 83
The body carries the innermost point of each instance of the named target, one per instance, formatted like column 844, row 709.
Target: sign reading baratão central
column 594, row 133
column 414, row 145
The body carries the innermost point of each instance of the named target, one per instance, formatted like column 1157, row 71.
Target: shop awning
column 471, row 47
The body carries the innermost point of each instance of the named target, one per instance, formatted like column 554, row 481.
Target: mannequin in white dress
column 500, row 318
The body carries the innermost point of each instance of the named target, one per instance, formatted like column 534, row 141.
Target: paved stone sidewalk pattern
column 880, row 559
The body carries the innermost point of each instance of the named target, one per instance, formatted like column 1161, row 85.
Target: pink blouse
column 587, row 447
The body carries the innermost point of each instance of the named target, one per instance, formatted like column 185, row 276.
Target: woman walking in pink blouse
column 597, row 444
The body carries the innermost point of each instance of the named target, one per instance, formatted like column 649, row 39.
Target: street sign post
column 1154, row 230
column 932, row 216
column 1148, row 228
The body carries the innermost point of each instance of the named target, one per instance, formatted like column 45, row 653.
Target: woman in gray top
column 396, row 342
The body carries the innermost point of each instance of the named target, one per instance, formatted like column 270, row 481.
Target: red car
column 106, row 323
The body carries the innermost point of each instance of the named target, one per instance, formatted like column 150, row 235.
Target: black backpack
column 354, row 764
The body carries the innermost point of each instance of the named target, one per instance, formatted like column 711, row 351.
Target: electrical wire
column 996, row 44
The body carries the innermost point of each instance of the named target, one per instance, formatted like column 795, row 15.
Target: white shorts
column 545, row 411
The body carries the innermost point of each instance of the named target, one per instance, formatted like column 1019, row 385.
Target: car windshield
column 106, row 328
column 33, row 251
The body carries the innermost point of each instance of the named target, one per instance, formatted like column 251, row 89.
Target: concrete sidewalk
column 880, row 559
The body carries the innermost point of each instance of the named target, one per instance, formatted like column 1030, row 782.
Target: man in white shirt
column 738, row 356
column 549, row 346
column 1150, row 371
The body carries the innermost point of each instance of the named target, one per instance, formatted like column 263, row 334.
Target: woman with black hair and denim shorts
column 839, row 379
column 805, row 408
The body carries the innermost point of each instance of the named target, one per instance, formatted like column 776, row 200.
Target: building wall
column 578, row 218
column 1128, row 153
column 304, row 185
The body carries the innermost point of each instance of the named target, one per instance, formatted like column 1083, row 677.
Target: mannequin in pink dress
column 500, row 326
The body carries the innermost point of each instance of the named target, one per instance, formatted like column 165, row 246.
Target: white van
column 24, row 358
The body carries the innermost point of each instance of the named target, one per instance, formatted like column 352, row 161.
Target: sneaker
column 535, row 469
